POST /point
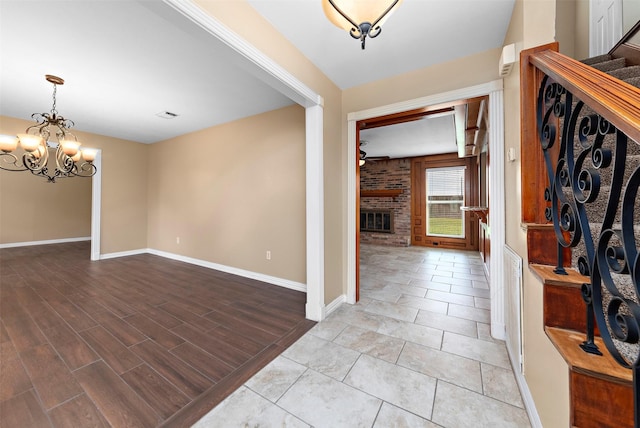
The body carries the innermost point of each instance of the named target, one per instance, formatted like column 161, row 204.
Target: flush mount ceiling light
column 361, row 18
column 35, row 145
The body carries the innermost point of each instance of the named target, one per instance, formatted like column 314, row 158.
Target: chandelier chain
column 53, row 107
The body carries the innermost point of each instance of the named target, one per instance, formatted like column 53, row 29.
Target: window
column 445, row 197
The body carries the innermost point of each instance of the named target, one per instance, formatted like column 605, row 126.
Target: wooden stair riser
column 600, row 403
column 564, row 308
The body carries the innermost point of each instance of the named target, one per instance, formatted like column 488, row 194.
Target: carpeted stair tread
column 625, row 73
column 609, row 66
column 633, row 81
column 596, row 59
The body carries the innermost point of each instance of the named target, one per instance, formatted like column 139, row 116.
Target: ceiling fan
column 363, row 155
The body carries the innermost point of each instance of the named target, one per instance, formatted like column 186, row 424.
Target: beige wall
column 124, row 193
column 572, row 28
column 124, row 188
column 566, row 24
column 460, row 73
column 581, row 48
column 545, row 371
column 246, row 22
column 244, row 194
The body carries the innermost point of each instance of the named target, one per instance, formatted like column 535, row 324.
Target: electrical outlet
column 177, row 239
column 268, row 255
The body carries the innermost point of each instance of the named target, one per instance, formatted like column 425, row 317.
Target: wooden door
column 420, row 218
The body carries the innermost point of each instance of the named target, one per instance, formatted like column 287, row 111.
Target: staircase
column 601, row 389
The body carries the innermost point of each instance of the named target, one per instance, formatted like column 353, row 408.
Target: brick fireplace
column 386, row 186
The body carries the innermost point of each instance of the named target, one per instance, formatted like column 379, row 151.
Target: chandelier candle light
column 70, row 160
column 360, row 18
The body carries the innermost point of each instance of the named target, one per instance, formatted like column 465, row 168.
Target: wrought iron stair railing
column 586, row 126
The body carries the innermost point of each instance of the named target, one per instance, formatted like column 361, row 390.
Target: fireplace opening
column 376, row 221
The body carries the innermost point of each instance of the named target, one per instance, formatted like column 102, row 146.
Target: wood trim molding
column 381, row 193
column 613, row 99
column 533, row 178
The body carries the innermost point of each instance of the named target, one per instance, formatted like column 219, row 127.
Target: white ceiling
column 420, row 33
column 124, row 61
column 428, row 136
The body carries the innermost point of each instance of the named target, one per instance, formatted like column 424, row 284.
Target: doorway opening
column 493, row 212
column 422, row 167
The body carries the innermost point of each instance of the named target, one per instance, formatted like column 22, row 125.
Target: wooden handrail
column 613, row 99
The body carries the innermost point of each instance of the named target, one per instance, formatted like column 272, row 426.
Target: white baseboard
column 124, row 254
column 527, row 398
column 281, row 282
column 47, row 242
column 293, row 285
column 499, row 331
column 333, row 305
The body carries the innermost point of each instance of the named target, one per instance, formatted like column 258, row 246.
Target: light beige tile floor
column 414, row 352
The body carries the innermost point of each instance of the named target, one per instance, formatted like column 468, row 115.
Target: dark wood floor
column 137, row 341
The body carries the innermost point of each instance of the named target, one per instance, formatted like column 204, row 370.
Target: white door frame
column 96, row 206
column 496, row 185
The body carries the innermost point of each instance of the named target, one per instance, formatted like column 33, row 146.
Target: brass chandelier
column 35, row 146
column 360, row 18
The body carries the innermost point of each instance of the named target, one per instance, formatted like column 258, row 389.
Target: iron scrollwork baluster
column 593, row 160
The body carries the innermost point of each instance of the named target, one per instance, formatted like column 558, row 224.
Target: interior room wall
column 231, row 193
column 124, row 170
column 566, row 24
column 581, row 42
column 241, row 18
column 460, row 73
column 544, row 369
